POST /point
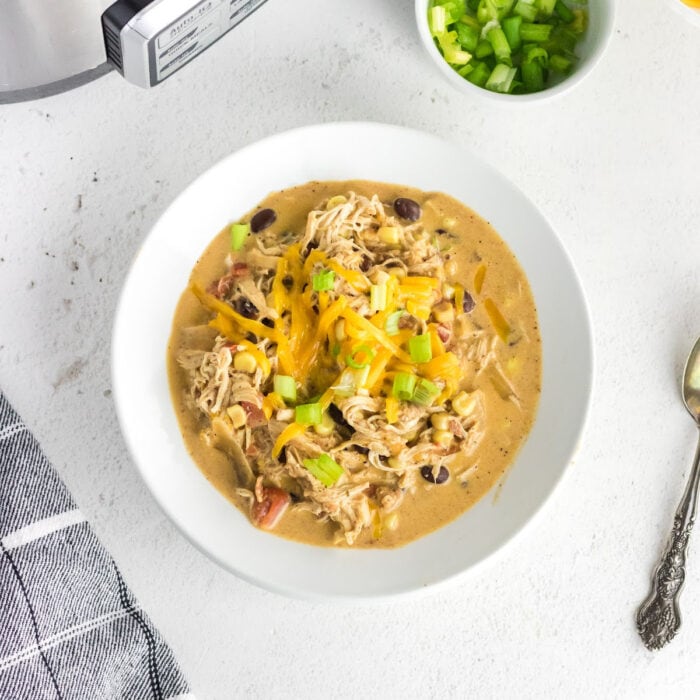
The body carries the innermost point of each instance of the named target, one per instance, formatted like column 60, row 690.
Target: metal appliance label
column 193, row 32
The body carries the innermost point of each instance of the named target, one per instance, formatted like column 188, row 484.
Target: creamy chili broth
column 510, row 396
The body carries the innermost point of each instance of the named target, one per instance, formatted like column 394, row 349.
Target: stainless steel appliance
column 48, row 46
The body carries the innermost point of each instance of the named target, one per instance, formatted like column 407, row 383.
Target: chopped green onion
column 492, row 9
column 480, row 74
column 404, row 384
column 501, row 47
column 378, row 297
column 511, row 28
column 562, row 40
column 546, row 7
column 564, row 12
column 535, row 32
column 335, row 350
column 308, row 414
column 454, row 8
column 559, row 64
column 425, row 392
column 483, row 49
column 239, row 232
column 355, row 363
column 437, row 20
column 323, row 281
column 419, row 348
column 501, row 78
column 391, row 325
column 536, row 53
column 526, row 9
column 533, row 76
column 325, row 469
column 286, row 387
column 489, row 42
column 468, row 36
column 346, row 385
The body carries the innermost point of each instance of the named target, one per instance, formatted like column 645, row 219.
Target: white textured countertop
column 613, row 165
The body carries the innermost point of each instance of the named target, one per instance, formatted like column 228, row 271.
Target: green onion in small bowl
column 514, row 50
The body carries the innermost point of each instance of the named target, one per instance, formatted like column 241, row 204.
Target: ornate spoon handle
column 658, row 618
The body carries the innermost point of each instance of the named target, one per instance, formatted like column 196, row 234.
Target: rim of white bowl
column 691, row 14
column 407, row 591
column 582, row 70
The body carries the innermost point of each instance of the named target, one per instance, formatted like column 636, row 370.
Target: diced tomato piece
column 267, row 512
column 256, row 417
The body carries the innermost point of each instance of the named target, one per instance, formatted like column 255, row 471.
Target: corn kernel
column 340, row 330
column 463, row 404
column 335, row 201
column 389, row 235
column 444, row 312
column 441, row 421
column 397, row 272
column 394, row 462
column 442, row 437
column 244, row 362
column 325, row 427
column 237, row 415
column 391, row 522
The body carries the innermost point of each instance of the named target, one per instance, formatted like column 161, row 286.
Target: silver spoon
column 658, row 618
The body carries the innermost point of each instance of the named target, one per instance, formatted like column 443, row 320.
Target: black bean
column 288, row 281
column 245, row 307
column 468, row 302
column 344, row 428
column 268, row 322
column 252, row 337
column 312, row 246
column 362, row 450
column 365, row 264
column 407, row 209
column 427, row 473
column 262, row 219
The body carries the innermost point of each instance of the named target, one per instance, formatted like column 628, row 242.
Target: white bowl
column 160, row 273
column 589, row 51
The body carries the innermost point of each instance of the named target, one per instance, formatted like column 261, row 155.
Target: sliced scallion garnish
column 325, row 469
column 501, row 78
column 360, row 357
column 404, row 384
column 391, row 325
column 239, row 233
column 419, row 348
column 308, row 414
column 323, row 281
column 425, row 392
column 286, row 387
column 529, row 31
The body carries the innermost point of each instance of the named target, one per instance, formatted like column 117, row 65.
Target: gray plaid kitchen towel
column 69, row 626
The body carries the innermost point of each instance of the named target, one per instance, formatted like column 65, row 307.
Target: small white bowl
column 589, row 51
column 160, row 273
